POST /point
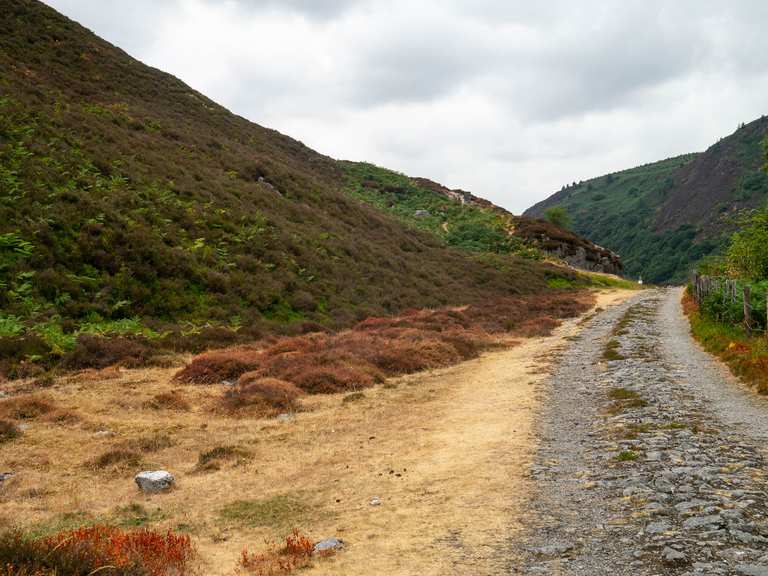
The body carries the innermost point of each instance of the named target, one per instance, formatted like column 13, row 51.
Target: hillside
column 461, row 219
column 663, row 217
column 131, row 204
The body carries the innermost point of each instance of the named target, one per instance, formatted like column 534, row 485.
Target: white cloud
column 508, row 99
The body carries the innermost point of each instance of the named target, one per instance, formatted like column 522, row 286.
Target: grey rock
column 672, row 556
column 6, row 476
column 329, row 544
column 155, row 481
column 422, row 213
column 375, row 501
column 555, row 549
column 702, row 521
column 657, row 527
column 752, row 569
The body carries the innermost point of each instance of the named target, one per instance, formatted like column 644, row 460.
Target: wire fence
column 733, row 301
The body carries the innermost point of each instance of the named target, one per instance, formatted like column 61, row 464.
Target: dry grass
column 455, row 439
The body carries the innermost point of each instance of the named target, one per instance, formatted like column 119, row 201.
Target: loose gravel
column 651, row 459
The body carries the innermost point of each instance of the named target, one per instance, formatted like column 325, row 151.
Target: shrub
column 97, row 549
column 8, row 431
column 147, row 444
column 93, row 351
column 212, row 459
column 264, row 395
column 118, row 458
column 173, row 400
column 26, row 407
column 213, row 367
column 294, row 554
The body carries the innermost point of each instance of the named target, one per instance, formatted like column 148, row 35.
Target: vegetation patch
column 212, row 459
column 117, row 459
column 26, row 407
column 275, row 512
column 97, row 549
column 611, row 351
column 172, row 400
column 746, row 356
column 379, row 347
column 8, row 431
column 626, row 456
column 278, row 560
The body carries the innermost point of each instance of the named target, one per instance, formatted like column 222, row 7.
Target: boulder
column 328, row 545
column 153, row 482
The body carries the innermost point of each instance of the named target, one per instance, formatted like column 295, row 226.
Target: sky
column 507, row 99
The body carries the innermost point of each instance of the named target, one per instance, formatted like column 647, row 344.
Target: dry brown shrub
column 213, row 367
column 26, row 407
column 99, row 352
column 265, row 396
column 8, row 431
column 173, row 400
column 63, row 416
column 536, row 327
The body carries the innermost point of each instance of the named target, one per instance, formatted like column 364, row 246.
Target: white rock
column 154, row 481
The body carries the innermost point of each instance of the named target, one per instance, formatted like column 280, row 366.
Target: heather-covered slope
column 663, row 217
column 466, row 221
column 131, row 203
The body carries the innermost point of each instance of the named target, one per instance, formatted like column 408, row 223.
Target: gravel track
column 651, row 457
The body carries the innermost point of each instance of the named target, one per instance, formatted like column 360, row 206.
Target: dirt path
column 652, row 456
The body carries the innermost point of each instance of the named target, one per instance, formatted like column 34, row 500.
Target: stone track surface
column 651, row 457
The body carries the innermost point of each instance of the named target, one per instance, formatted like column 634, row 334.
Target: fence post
column 747, row 312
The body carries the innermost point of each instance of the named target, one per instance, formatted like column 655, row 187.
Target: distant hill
column 461, row 219
column 130, row 203
column 663, row 217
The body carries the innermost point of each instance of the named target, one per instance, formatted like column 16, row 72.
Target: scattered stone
column 329, row 544
column 557, row 549
column 672, row 556
column 422, row 214
column 285, row 417
column 6, row 476
column 153, row 482
column 752, row 569
column 375, row 501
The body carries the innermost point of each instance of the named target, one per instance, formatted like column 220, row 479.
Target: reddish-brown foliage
column 92, row 549
column 213, row 367
column 173, row 400
column 386, row 346
column 99, row 352
column 294, row 554
column 26, row 407
column 265, row 395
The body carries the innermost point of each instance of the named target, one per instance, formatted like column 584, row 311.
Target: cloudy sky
column 509, row 99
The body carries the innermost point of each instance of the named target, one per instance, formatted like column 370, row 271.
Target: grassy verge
column 746, row 356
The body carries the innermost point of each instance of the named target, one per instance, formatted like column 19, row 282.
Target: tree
column 747, row 255
column 558, row 216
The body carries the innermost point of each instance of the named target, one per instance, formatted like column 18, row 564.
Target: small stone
column 657, row 527
column 375, row 501
column 701, row 521
column 555, row 549
column 6, row 476
column 752, row 569
column 672, row 556
column 328, row 545
column 103, row 434
column 153, row 482
column 285, row 417
column 228, row 382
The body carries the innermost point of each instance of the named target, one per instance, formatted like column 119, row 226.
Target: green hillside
column 131, row 204
column 663, row 217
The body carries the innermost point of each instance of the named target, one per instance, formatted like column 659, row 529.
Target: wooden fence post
column 747, row 312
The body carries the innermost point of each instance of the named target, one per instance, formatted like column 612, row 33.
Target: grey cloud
column 508, row 98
